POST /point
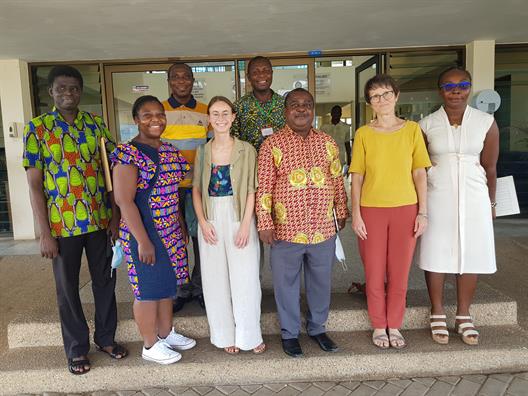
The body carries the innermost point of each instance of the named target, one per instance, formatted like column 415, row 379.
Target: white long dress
column 459, row 237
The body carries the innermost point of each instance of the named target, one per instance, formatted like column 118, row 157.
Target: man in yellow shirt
column 187, row 126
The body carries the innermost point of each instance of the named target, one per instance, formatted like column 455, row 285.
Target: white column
column 480, row 62
column 15, row 102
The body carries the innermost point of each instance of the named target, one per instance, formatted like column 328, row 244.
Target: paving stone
column 250, row 388
column 338, row 390
column 215, row 392
column 227, row 389
column 288, row 391
column 313, row 391
column 427, row 381
column 518, row 387
column 128, row 392
column 189, row 392
column 325, row 385
column 107, row 393
column 440, row 388
column 51, row 394
column 390, row 390
column 177, row 390
column 415, row 389
column 275, row 387
column 352, row 385
column 164, row 392
column 202, row 390
column 493, row 387
column 239, row 392
column 402, row 383
column 375, row 384
column 449, row 379
column 363, row 390
column 264, row 391
column 522, row 375
column 466, row 388
column 149, row 391
column 506, row 378
column 300, row 386
column 476, row 378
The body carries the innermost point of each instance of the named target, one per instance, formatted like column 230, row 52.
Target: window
column 511, row 82
column 91, row 99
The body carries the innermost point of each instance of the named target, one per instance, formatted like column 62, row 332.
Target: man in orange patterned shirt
column 300, row 187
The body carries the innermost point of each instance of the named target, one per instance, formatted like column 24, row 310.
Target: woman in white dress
column 464, row 147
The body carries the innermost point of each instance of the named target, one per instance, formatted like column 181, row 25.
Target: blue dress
column 159, row 174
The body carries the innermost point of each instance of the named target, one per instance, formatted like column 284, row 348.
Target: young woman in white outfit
column 224, row 187
column 464, row 147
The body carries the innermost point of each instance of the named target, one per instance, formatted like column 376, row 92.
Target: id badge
column 267, row 131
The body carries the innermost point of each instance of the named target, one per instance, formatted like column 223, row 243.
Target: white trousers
column 230, row 281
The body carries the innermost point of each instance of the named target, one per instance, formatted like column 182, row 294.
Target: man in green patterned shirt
column 74, row 212
column 260, row 113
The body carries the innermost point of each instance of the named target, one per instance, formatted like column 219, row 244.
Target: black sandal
column 118, row 351
column 75, row 366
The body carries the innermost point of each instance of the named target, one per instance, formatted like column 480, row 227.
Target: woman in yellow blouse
column 389, row 206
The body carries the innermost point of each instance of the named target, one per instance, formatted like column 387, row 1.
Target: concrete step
column 502, row 349
column 348, row 313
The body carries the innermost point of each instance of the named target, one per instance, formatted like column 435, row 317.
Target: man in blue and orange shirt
column 187, row 126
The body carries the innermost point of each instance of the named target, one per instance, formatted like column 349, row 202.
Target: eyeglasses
column 463, row 86
column 387, row 95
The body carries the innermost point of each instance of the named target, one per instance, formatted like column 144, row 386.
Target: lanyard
column 268, row 113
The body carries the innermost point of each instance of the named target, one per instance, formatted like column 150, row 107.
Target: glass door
column 125, row 83
column 364, row 72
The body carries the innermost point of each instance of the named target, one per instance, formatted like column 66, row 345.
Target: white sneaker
column 160, row 353
column 178, row 341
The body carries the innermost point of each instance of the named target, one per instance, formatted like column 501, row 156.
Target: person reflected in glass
column 389, row 206
column 224, row 188
column 464, row 146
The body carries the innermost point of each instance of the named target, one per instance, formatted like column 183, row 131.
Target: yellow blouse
column 387, row 160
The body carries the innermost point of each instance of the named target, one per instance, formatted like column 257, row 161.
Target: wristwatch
column 494, row 204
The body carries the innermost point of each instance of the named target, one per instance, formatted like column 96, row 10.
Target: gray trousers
column 287, row 261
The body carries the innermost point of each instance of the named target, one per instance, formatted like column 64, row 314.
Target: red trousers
column 387, row 256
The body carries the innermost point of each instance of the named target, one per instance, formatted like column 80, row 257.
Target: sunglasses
column 463, row 86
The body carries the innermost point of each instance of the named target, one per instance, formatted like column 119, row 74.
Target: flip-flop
column 117, row 352
column 74, row 365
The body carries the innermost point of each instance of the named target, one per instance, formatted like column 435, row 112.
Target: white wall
column 480, row 62
column 16, row 107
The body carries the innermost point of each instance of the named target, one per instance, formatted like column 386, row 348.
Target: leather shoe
column 325, row 342
column 178, row 303
column 200, row 299
column 291, row 347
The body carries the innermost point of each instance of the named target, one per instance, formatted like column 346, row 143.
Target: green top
column 253, row 116
column 69, row 158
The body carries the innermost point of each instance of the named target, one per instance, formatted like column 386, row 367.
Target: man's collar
column 270, row 99
column 287, row 129
column 191, row 104
column 57, row 114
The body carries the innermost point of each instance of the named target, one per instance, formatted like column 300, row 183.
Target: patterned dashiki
column 73, row 179
column 252, row 117
column 159, row 174
column 220, row 183
column 300, row 185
